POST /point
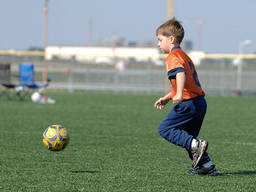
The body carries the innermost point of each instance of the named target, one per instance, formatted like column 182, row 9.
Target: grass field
column 115, row 146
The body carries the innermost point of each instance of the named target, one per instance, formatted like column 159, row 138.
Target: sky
column 225, row 24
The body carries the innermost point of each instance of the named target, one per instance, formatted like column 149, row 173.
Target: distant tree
column 34, row 48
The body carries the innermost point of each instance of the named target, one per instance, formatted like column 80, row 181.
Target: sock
column 207, row 165
column 194, row 144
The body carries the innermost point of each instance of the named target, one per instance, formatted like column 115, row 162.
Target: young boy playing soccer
column 182, row 124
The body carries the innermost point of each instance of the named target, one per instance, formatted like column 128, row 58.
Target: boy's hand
column 160, row 103
column 177, row 99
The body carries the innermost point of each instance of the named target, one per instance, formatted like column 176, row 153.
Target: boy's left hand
column 160, row 103
column 177, row 99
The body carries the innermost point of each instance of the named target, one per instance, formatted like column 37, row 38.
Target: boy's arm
column 180, row 82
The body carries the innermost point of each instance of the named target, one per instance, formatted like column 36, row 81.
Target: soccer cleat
column 198, row 152
column 212, row 171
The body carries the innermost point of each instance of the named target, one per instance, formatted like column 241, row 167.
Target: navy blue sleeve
column 172, row 73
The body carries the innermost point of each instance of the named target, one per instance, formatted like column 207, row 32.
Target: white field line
column 118, row 137
column 237, row 143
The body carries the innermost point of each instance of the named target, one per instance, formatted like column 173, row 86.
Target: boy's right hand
column 160, row 103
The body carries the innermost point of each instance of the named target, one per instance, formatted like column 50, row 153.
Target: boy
column 182, row 124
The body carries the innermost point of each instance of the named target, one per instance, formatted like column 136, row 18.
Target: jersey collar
column 176, row 47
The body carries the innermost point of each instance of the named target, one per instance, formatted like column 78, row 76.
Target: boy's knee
column 161, row 130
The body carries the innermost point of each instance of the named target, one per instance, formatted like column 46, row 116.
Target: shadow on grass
column 238, row 173
column 85, row 172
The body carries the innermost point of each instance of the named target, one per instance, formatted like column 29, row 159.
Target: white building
column 103, row 54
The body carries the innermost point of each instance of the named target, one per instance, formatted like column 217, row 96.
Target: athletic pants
column 183, row 123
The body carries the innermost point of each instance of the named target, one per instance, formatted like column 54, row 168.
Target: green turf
column 115, row 146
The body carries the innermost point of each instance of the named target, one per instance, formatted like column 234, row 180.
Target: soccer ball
column 55, row 138
column 36, row 97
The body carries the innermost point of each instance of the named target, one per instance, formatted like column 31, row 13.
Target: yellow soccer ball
column 55, row 138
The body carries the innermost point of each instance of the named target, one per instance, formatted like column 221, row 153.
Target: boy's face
column 164, row 43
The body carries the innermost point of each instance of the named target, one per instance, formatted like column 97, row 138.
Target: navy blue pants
column 183, row 123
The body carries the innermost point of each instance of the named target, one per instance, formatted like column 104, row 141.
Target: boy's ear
column 171, row 39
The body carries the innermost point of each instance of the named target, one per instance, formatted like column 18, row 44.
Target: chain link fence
column 217, row 77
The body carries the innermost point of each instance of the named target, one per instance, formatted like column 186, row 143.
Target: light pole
column 171, row 11
column 171, row 5
column 240, row 64
column 45, row 70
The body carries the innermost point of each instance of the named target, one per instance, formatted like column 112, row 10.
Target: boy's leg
column 170, row 128
column 194, row 131
column 177, row 126
column 183, row 123
column 205, row 165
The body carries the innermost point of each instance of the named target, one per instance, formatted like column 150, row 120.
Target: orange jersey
column 178, row 61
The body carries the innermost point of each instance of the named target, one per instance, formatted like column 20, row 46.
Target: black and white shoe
column 198, row 152
column 212, row 171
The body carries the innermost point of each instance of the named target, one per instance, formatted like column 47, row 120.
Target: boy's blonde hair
column 171, row 27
